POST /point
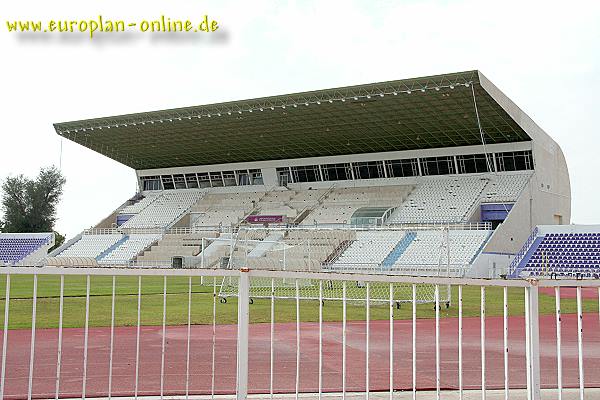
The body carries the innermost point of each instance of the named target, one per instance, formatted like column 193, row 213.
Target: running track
column 285, row 357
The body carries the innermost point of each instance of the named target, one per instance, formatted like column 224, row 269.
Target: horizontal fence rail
column 340, row 226
column 188, row 332
column 235, row 228
column 454, row 270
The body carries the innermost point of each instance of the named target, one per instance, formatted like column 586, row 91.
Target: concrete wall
column 545, row 229
column 490, row 265
column 548, row 193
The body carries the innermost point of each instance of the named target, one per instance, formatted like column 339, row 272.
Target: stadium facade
column 407, row 155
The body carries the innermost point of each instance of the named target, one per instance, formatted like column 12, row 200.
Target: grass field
column 202, row 303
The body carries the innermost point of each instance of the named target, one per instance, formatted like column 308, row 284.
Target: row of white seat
column 163, row 209
column 339, row 205
column 428, row 247
column 138, row 206
column 109, row 249
column 434, row 199
column 223, row 208
column 288, row 202
column 91, row 246
column 450, row 199
column 505, row 188
column 446, row 200
column 129, row 249
column 370, row 247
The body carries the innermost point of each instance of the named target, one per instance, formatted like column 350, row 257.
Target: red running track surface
column 285, row 357
column 571, row 292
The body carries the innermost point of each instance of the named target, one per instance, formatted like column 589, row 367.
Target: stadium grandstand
column 17, row 249
column 560, row 251
column 439, row 174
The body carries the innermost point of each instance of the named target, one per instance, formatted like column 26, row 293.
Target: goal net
column 306, row 250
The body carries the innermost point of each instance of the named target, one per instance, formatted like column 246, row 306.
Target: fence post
column 533, row 346
column 242, row 339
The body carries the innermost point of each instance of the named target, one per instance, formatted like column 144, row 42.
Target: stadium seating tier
column 15, row 248
column 432, row 199
column 573, row 254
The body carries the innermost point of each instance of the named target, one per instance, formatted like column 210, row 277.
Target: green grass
column 202, row 303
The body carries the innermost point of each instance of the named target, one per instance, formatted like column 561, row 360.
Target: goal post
column 308, row 289
column 307, row 250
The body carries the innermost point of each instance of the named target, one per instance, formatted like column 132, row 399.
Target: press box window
column 515, row 161
column 336, row 172
column 179, row 182
column 438, row 165
column 368, row 170
column 402, row 168
column 216, row 179
column 203, row 180
column 192, row 182
column 306, row 173
column 151, row 183
column 283, row 176
column 472, row 164
column 229, row 178
column 167, row 181
column 243, row 178
column 256, row 176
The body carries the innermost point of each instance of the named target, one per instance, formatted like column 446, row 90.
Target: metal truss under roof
column 421, row 113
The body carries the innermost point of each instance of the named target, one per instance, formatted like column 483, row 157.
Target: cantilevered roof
column 420, row 113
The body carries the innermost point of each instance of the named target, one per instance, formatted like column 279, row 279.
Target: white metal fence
column 296, row 293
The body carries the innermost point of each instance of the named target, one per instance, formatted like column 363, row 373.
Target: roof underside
column 411, row 114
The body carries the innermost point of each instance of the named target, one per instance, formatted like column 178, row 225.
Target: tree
column 29, row 205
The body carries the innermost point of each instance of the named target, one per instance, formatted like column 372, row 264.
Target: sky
column 544, row 55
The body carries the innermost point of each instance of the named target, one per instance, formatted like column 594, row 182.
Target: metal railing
column 229, row 229
column 149, row 263
column 413, row 269
column 182, row 230
column 453, row 225
column 126, row 231
column 392, row 227
column 512, row 269
column 321, row 282
column 101, row 231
